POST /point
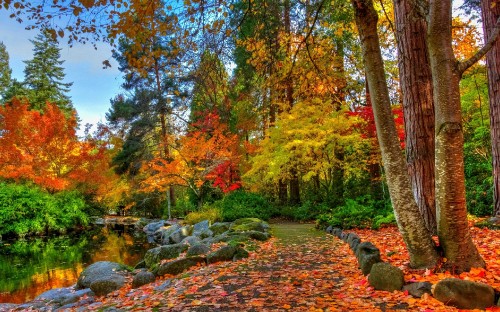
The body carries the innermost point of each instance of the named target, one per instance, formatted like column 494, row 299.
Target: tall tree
column 44, row 75
column 416, row 89
column 410, row 223
column 490, row 13
column 5, row 71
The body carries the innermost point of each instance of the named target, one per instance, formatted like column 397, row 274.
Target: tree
column 416, row 89
column 411, row 225
column 44, row 75
column 5, row 71
column 490, row 14
column 42, row 147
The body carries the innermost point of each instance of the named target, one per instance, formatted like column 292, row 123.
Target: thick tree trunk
column 411, row 225
column 490, row 14
column 416, row 87
column 451, row 210
column 374, row 166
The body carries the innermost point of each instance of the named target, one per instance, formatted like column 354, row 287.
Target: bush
column 206, row 213
column 27, row 210
column 309, row 210
column 241, row 204
column 362, row 212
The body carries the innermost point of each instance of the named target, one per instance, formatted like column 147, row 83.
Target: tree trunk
column 415, row 234
column 490, row 14
column 294, row 188
column 416, row 87
column 374, row 166
column 451, row 210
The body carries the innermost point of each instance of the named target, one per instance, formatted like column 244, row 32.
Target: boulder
column 198, row 250
column 155, row 255
column 62, row 296
column 98, row 271
column 240, row 254
column 143, row 278
column 107, row 284
column 200, row 227
column 225, row 253
column 249, row 224
column 464, row 294
column 206, row 233
column 354, row 244
column 351, row 237
column 418, row 289
column 337, row 232
column 191, row 240
column 179, row 266
column 329, row 229
column 178, row 235
column 367, row 255
column 219, row 227
column 162, row 235
column 384, row 276
column 152, row 227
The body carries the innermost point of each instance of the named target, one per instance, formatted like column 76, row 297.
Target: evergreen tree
column 44, row 75
column 5, row 71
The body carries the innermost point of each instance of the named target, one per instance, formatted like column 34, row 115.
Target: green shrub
column 309, row 210
column 28, row 210
column 206, row 213
column 381, row 220
column 241, row 204
column 362, row 212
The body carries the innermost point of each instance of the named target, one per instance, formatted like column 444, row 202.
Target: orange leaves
column 43, row 148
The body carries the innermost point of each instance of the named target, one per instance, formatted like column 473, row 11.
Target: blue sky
column 93, row 86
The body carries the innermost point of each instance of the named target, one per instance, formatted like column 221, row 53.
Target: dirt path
column 299, row 270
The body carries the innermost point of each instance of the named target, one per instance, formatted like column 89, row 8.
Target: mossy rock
column 225, row 253
column 246, row 220
column 240, row 254
column 178, row 266
column 155, row 255
column 219, row 227
column 251, row 224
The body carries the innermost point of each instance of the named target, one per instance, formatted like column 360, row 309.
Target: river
column 30, row 267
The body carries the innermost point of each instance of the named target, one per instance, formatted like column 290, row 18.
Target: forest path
column 300, row 269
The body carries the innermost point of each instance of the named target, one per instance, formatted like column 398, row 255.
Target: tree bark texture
column 490, row 14
column 418, row 107
column 451, row 210
column 411, row 225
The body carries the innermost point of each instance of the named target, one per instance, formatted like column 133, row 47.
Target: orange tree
column 43, row 148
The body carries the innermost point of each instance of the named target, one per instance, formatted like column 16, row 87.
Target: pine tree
column 44, row 75
column 5, row 71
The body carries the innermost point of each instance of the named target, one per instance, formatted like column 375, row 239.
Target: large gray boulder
column 227, row 253
column 367, row 255
column 177, row 236
column 62, row 296
column 384, row 276
column 107, row 284
column 198, row 250
column 199, row 227
column 178, row 266
column 143, row 278
column 219, row 227
column 162, row 235
column 152, row 227
column 155, row 255
column 99, row 271
column 464, row 294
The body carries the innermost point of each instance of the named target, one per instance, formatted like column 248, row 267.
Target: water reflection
column 30, row 267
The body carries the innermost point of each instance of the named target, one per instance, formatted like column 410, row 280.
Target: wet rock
column 99, row 271
column 179, row 266
column 143, row 278
column 384, row 276
column 464, row 294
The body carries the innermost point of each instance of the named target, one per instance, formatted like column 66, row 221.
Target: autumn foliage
column 42, row 147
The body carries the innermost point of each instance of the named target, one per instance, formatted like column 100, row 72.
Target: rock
column 62, row 296
column 107, row 284
column 199, row 227
column 191, row 240
column 98, row 271
column 8, row 306
column 179, row 266
column 354, row 243
column 337, row 232
column 240, row 254
column 417, row 290
column 464, row 294
column 225, row 253
column 162, row 235
column 143, row 278
column 140, row 265
column 206, row 233
column 249, row 224
column 177, row 236
column 155, row 255
column 164, row 285
column 198, row 250
column 367, row 255
column 219, row 227
column 351, row 237
column 329, row 229
column 152, row 227
column 384, row 276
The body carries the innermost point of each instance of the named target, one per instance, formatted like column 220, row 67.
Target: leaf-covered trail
column 298, row 270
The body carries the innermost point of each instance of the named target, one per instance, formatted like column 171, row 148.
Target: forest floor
column 300, row 269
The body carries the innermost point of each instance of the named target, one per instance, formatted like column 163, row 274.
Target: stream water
column 30, row 267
